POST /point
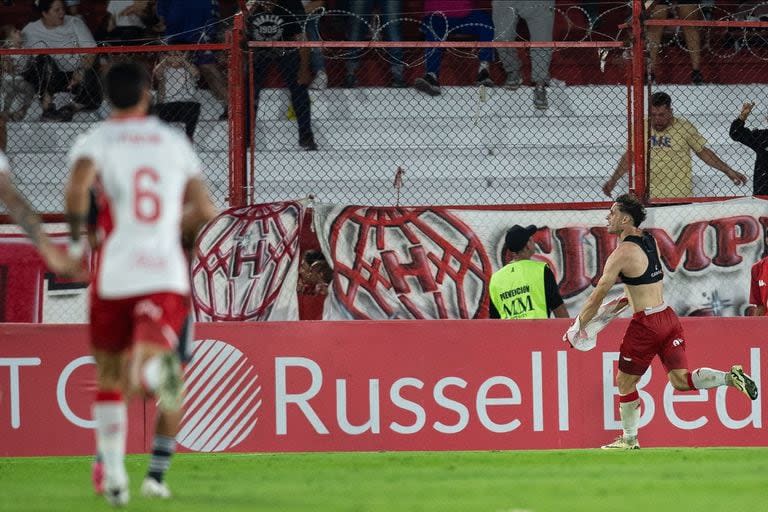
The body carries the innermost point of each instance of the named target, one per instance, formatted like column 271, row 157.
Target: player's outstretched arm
column 610, row 274
column 22, row 214
column 19, row 209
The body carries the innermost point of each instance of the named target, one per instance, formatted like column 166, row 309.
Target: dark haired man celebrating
column 655, row 328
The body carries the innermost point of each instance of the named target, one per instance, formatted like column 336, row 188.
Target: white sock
column 630, row 416
column 110, row 414
column 150, row 374
column 706, row 378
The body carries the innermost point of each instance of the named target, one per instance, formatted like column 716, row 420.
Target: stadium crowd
column 74, row 24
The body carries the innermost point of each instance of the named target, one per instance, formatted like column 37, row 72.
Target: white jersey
column 5, row 167
column 144, row 167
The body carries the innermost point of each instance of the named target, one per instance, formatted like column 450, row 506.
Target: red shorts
column 649, row 334
column 116, row 324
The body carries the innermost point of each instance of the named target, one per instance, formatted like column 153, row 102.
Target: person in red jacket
column 758, row 289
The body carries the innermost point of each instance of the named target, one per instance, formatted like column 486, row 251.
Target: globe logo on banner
column 222, row 400
column 244, row 261
column 408, row 263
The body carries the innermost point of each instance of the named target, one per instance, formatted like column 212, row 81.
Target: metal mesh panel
column 483, row 134
column 46, row 115
column 709, row 72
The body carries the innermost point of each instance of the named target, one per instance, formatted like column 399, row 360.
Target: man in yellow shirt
column 671, row 141
column 524, row 288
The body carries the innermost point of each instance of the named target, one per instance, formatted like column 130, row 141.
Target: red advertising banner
column 392, row 385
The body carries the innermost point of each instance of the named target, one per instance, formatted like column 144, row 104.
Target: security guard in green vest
column 524, row 288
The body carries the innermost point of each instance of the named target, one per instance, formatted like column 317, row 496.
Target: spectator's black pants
column 49, row 79
column 760, row 182
column 187, row 112
column 288, row 65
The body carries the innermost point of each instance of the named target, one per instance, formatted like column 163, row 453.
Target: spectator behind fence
column 362, row 13
column 313, row 8
column 524, row 288
column 192, row 22
column 758, row 141
column 283, row 20
column 126, row 20
column 671, row 141
column 454, row 16
column 176, row 84
column 686, row 10
column 16, row 94
column 72, row 73
column 539, row 15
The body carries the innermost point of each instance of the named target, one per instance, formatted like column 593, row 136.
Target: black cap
column 518, row 236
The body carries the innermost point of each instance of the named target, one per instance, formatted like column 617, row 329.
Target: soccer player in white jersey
column 149, row 174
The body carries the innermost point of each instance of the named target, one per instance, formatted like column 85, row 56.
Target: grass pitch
column 562, row 481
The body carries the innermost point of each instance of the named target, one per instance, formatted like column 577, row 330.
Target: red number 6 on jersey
column 146, row 202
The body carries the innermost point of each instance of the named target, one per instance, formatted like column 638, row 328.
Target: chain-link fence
column 446, row 121
column 704, row 63
column 53, row 96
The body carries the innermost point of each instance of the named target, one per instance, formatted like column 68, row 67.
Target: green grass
column 570, row 480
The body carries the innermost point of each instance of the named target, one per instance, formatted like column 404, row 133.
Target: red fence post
column 638, row 112
column 237, row 177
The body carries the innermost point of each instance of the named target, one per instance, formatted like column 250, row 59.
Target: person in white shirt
column 125, row 21
column 150, row 177
column 176, row 85
column 62, row 72
column 16, row 94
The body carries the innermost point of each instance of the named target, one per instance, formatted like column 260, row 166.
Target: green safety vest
column 517, row 290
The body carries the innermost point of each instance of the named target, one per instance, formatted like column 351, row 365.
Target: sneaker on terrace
column 540, row 97
column 623, row 443
column 308, row 144
column 428, row 84
column 484, row 78
column 170, row 393
column 743, row 382
column 513, row 82
column 151, row 488
column 320, row 82
column 97, row 476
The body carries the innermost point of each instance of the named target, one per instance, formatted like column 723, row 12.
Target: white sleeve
column 86, row 146
column 5, row 167
column 83, row 34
